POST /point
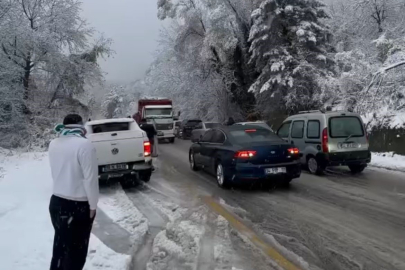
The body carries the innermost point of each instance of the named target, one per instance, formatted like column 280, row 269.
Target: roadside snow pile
column 388, row 161
column 122, row 211
column 178, row 246
column 26, row 231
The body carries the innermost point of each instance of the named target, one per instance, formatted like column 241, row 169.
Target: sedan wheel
column 193, row 166
column 221, row 179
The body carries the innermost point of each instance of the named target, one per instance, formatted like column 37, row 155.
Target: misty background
column 134, row 27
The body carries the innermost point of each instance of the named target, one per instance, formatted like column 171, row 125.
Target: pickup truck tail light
column 147, row 149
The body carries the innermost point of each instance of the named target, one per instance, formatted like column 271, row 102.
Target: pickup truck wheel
column 127, row 183
column 145, row 176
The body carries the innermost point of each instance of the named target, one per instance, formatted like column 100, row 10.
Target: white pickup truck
column 123, row 150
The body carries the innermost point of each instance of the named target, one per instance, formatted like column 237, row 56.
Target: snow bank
column 26, row 231
column 388, row 161
column 178, row 246
column 122, row 211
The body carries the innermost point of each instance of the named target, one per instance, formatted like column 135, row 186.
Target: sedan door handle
column 292, row 142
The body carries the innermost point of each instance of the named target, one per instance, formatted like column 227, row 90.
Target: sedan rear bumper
column 245, row 172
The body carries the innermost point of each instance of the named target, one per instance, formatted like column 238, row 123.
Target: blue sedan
column 245, row 154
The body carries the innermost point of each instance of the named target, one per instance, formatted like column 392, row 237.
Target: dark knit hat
column 73, row 119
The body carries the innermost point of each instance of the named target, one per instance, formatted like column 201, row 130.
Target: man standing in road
column 74, row 201
column 150, row 132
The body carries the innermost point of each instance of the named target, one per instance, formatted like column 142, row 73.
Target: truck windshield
column 158, row 112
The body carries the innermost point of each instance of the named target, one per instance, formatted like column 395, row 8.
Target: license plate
column 116, row 167
column 115, row 175
column 349, row 145
column 276, row 170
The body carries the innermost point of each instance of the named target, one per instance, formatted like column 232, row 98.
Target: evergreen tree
column 290, row 51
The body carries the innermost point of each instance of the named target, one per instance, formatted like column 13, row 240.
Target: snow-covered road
column 182, row 220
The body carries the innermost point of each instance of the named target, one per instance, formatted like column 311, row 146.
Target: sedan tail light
column 293, row 151
column 147, row 149
column 245, row 154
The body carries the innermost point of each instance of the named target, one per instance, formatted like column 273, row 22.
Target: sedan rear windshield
column 254, row 135
column 110, row 127
column 345, row 126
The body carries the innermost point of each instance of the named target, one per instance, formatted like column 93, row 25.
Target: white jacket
column 74, row 169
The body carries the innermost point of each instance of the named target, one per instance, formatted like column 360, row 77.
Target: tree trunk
column 27, row 74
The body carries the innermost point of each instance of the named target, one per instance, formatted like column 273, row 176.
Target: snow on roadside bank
column 26, row 231
column 389, row 161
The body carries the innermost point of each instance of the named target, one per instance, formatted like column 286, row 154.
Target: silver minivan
column 333, row 138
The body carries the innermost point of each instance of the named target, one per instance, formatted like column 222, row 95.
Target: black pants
column 72, row 223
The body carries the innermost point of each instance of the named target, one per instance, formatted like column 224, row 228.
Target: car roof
column 239, row 127
column 322, row 114
column 251, row 123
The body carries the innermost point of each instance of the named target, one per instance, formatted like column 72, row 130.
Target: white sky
column 134, row 27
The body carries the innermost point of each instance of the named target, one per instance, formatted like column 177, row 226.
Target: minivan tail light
column 147, row 149
column 293, row 151
column 325, row 140
column 245, row 154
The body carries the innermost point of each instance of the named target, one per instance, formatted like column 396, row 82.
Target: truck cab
column 158, row 112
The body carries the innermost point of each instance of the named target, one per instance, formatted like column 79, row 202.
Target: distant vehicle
column 245, row 154
column 328, row 139
column 201, row 128
column 123, row 150
column 158, row 112
column 187, row 126
column 258, row 123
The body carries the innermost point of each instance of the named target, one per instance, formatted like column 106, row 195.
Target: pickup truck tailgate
column 119, row 147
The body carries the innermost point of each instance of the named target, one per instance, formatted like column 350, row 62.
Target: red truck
column 159, row 112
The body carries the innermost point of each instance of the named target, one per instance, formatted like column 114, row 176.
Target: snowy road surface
column 181, row 220
column 337, row 221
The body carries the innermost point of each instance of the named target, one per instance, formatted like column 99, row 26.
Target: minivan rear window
column 345, row 126
column 110, row 127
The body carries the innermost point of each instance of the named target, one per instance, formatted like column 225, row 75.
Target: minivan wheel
column 221, row 178
column 357, row 168
column 313, row 166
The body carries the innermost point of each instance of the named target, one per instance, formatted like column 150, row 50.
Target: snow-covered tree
column 112, row 104
column 290, row 50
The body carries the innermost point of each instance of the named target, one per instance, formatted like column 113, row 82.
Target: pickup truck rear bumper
column 138, row 171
